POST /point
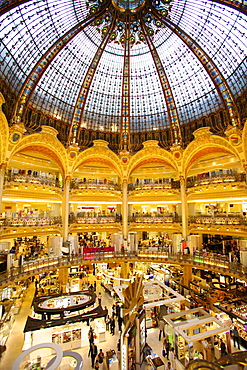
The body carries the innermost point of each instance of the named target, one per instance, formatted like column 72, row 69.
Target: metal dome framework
column 124, row 67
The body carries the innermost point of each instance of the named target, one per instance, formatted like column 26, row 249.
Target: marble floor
column 16, row 338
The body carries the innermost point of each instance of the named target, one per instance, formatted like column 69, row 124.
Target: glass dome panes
column 30, row 29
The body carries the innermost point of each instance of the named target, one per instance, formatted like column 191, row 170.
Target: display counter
column 99, row 328
column 155, row 362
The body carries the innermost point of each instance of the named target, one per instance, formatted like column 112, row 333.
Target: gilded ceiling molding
column 166, row 88
column 244, row 142
column 85, row 87
column 4, row 132
column 47, row 144
column 206, row 143
column 152, row 154
column 99, row 154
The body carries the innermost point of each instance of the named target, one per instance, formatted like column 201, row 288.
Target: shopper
column 118, row 310
column 101, row 356
column 169, row 366
column 161, row 329
column 113, row 310
column 167, row 348
column 93, row 351
column 173, row 358
column 91, row 335
column 107, row 322
column 99, row 298
column 112, row 325
column 222, row 348
column 235, row 337
column 120, row 322
column 119, row 345
column 96, row 365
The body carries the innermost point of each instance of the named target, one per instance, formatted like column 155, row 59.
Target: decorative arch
column 206, row 143
column 99, row 154
column 46, row 144
column 4, row 132
column 152, row 154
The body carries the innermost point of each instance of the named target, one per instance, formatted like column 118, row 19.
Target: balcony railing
column 219, row 179
column 94, row 185
column 94, row 219
column 201, row 261
column 155, row 219
column 35, row 180
column 218, row 220
column 155, row 186
column 30, row 221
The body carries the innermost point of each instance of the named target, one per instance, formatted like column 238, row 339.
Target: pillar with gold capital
column 2, row 173
column 63, row 278
column 65, row 209
column 125, row 209
column 184, row 207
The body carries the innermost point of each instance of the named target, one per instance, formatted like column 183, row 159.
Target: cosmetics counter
column 236, row 309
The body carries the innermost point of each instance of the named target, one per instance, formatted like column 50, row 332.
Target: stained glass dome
column 126, row 68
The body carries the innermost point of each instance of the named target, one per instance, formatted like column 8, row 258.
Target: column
column 187, row 275
column 63, row 278
column 125, row 209
column 124, row 273
column 2, row 173
column 184, row 207
column 65, row 210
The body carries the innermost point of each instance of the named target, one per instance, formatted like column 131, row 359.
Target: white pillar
column 184, row 207
column 65, row 210
column 125, row 209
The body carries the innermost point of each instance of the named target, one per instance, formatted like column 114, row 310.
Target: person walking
column 91, row 335
column 161, row 329
column 167, row 348
column 93, row 352
column 112, row 325
column 120, row 322
column 235, row 337
column 173, row 358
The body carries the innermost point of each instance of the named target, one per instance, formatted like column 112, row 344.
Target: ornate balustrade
column 208, row 180
column 94, row 219
column 30, row 221
column 154, row 186
column 201, row 261
column 218, row 220
column 155, row 219
column 35, row 180
column 75, row 184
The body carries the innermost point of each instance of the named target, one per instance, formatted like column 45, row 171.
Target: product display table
column 100, row 329
column 155, row 362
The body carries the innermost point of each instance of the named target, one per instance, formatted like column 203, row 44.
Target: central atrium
column 123, row 146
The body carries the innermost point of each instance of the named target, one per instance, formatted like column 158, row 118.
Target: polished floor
column 16, row 338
